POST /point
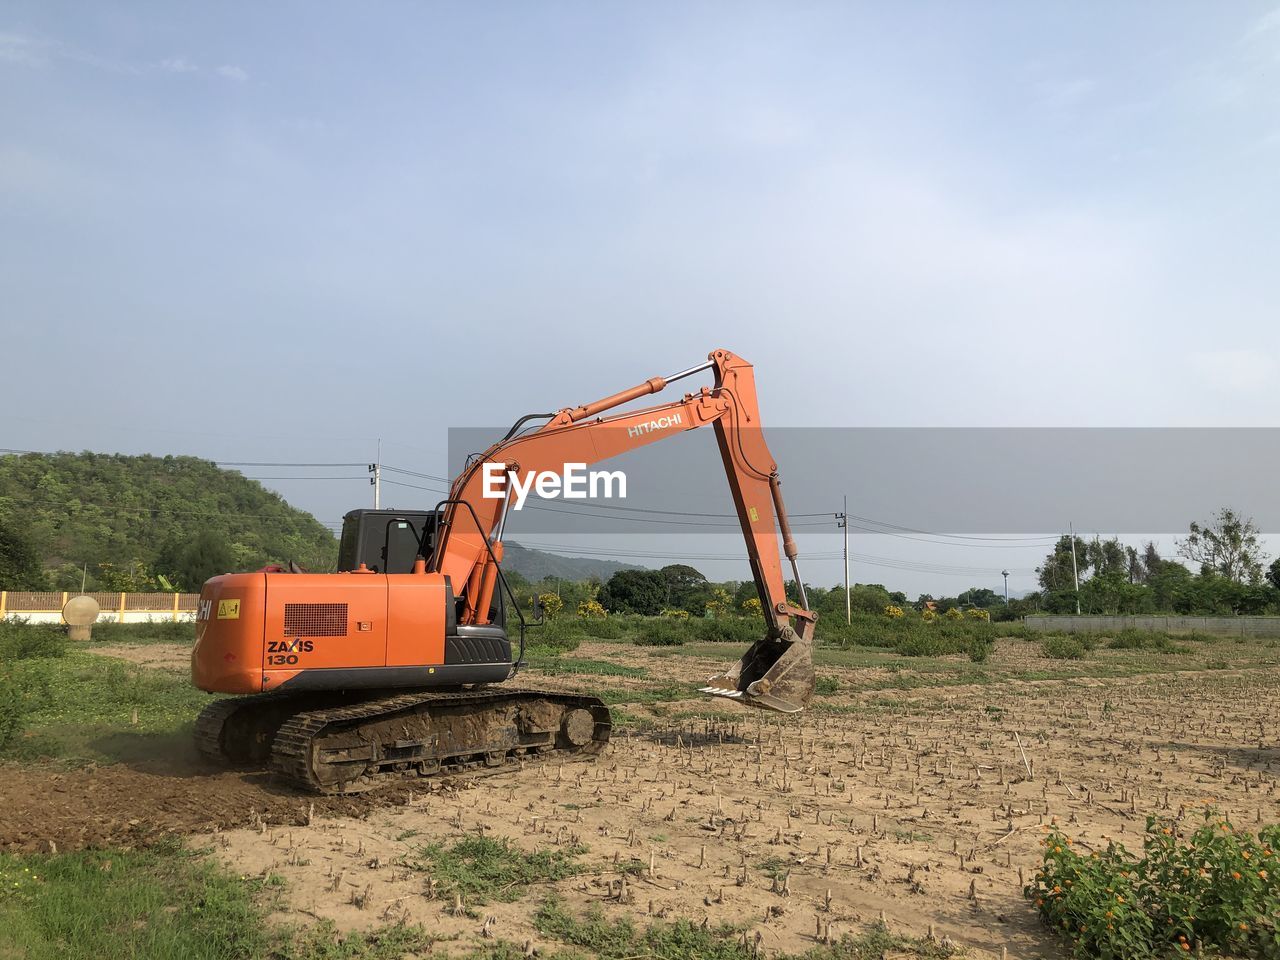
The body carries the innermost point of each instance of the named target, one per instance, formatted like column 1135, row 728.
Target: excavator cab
column 386, row 541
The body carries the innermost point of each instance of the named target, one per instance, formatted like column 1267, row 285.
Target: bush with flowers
column 1214, row 890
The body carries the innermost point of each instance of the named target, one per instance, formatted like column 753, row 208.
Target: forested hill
column 139, row 523
column 129, row 518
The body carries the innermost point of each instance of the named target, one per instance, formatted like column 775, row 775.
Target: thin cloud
column 16, row 48
column 178, row 65
column 232, row 72
column 1267, row 23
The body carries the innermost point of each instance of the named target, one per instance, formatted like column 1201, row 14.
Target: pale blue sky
column 252, row 231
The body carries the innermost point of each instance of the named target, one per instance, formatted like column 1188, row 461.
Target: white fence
column 1219, row 626
column 46, row 607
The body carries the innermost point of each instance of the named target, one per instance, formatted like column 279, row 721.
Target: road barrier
column 46, row 607
column 1219, row 626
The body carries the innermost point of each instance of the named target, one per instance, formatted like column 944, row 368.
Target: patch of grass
column 775, row 868
column 826, row 686
column 154, row 631
column 80, row 706
column 1145, row 640
column 650, row 694
column 598, row 936
column 559, row 666
column 481, row 869
column 1063, row 648
column 323, row 941
column 166, row 902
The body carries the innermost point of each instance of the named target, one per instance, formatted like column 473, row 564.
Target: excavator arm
column 777, row 671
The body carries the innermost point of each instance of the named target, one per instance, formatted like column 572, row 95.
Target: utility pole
column 376, row 480
column 1075, row 571
column 843, row 520
column 1005, row 574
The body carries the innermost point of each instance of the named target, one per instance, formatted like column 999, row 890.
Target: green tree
column 634, row 591
column 189, row 563
column 1057, row 572
column 1273, row 573
column 1228, row 546
column 20, row 567
column 686, row 588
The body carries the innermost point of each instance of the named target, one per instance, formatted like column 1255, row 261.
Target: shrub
column 894, row 612
column 607, row 629
column 1063, row 648
column 561, row 635
column 12, row 710
column 661, row 633
column 725, row 630
column 591, row 610
column 953, row 613
column 931, row 644
column 752, row 607
column 826, row 685
column 551, row 604
column 675, row 614
column 20, row 640
column 977, row 613
column 720, row 602
column 928, row 616
column 1218, row 888
column 980, row 649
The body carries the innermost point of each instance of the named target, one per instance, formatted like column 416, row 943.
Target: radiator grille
column 315, row 619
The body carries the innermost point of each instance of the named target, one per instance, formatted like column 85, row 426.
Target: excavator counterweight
column 393, row 666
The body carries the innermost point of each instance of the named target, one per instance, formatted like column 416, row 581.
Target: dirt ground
column 922, row 805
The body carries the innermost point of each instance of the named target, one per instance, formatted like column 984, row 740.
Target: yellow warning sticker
column 752, row 512
column 228, row 609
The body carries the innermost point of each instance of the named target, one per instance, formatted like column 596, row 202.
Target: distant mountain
column 534, row 565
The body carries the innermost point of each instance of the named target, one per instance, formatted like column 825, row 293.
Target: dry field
column 916, row 792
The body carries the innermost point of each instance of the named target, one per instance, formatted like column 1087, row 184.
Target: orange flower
column 1245, row 854
column 1262, row 874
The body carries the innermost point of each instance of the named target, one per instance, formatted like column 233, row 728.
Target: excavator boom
column 777, row 672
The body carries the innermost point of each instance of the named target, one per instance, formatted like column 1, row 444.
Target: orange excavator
column 396, row 665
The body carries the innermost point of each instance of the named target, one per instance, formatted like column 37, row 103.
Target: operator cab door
column 386, row 541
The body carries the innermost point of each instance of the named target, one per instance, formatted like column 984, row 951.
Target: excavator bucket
column 776, row 673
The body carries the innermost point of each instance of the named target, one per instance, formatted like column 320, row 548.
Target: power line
column 266, row 463
column 302, row 478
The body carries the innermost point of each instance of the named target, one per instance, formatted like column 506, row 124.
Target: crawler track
column 326, row 746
